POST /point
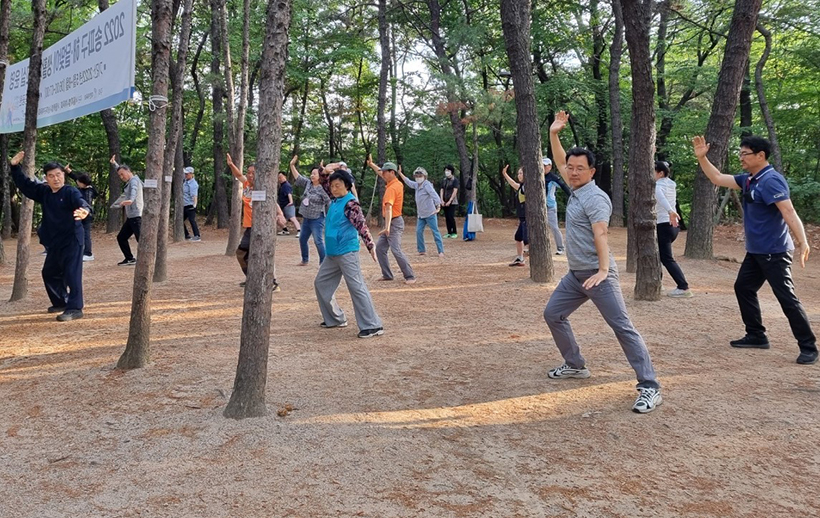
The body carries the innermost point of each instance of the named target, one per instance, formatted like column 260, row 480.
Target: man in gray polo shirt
column 131, row 199
column 593, row 275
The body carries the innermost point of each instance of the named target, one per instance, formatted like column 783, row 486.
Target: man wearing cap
column 551, row 181
column 390, row 237
column 428, row 204
column 190, row 192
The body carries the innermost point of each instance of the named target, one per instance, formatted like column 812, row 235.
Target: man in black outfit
column 61, row 232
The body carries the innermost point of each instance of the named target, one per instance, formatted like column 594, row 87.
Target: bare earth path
column 450, row 413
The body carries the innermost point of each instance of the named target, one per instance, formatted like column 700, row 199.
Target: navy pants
column 87, row 232
column 189, row 213
column 63, row 274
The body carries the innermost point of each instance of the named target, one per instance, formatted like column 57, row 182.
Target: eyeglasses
column 576, row 169
column 741, row 154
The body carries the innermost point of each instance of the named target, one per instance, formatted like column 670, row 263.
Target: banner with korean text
column 89, row 70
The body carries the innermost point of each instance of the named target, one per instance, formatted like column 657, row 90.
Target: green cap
column 390, row 166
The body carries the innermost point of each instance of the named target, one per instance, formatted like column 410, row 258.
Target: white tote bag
column 474, row 220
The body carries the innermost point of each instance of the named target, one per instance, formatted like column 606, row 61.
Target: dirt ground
column 450, row 413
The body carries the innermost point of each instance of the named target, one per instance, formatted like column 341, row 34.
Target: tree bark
column 603, row 167
column 137, row 350
column 454, row 103
column 637, row 19
column 248, row 397
column 719, row 127
column 515, row 23
column 617, row 126
column 5, row 184
column 217, row 97
column 19, row 289
column 384, row 76
column 112, row 134
column 236, row 140
column 177, row 77
column 761, row 98
column 746, row 104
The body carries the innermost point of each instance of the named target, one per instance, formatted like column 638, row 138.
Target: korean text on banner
column 89, row 70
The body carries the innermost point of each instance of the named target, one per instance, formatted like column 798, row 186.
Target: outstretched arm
column 558, row 153
column 701, row 147
column 293, row 171
column 235, row 170
column 27, row 186
column 515, row 185
column 373, row 166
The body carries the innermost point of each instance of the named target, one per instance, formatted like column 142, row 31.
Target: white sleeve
column 661, row 197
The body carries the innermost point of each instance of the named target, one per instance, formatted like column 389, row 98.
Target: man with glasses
column 592, row 275
column 768, row 215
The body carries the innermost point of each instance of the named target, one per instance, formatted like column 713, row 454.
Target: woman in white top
column 667, row 225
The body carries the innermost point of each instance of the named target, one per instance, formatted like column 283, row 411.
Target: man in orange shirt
column 390, row 237
column 243, row 250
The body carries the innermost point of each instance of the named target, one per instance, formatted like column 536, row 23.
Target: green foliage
column 333, row 80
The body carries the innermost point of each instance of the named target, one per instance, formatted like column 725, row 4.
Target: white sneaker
column 560, row 251
column 648, row 399
column 680, row 294
column 88, row 257
column 565, row 371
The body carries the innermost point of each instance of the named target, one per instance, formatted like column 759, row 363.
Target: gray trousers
column 607, row 297
column 327, row 282
column 393, row 243
column 552, row 219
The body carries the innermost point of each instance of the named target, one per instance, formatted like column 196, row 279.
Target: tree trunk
column 237, row 125
column 112, row 134
column 617, row 126
column 384, row 76
column 515, row 23
column 38, row 8
column 603, row 167
column 453, row 101
column 761, row 98
column 746, row 104
column 637, row 19
column 248, row 397
column 136, row 354
column 5, row 209
column 217, row 96
column 177, row 77
column 719, row 127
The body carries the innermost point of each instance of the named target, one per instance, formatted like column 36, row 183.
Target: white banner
column 89, row 70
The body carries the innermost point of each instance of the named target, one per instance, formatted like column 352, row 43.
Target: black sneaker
column 807, row 358
column 518, row 262
column 325, row 326
column 276, row 287
column 127, row 262
column 370, row 333
column 750, row 342
column 70, row 314
column 56, row 309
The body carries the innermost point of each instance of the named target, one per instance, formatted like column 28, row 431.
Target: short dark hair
column 581, row 151
column 663, row 167
column 123, row 166
column 449, row 167
column 84, row 178
column 284, row 173
column 52, row 165
column 344, row 176
column 757, row 144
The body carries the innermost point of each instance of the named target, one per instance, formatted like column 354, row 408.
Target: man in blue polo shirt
column 768, row 215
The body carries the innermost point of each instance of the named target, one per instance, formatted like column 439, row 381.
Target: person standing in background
column 449, row 200
column 190, row 194
column 132, row 200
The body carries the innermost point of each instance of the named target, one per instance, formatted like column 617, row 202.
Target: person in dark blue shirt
column 768, row 215
column 62, row 233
